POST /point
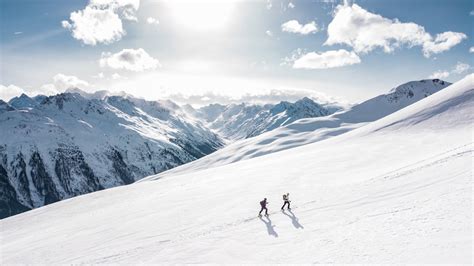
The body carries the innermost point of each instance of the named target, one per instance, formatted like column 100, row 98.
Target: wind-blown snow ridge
column 394, row 191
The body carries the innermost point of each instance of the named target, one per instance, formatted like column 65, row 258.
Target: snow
column 241, row 121
column 147, row 136
column 397, row 190
column 311, row 130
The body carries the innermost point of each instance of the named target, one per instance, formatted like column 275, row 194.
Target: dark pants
column 261, row 210
column 284, row 204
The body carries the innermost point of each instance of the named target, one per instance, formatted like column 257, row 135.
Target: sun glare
column 202, row 15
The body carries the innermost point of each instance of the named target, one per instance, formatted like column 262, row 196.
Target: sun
column 202, row 15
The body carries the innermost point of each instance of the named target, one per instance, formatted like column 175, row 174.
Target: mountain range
column 67, row 145
column 57, row 147
column 394, row 190
column 309, row 130
column 241, row 121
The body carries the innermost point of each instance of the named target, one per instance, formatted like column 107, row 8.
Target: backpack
column 285, row 197
column 262, row 203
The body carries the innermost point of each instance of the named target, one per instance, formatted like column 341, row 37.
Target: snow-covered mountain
column 57, row 147
column 239, row 121
column 24, row 101
column 310, row 130
column 5, row 107
column 397, row 190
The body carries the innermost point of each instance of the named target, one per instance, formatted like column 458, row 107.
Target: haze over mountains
column 395, row 190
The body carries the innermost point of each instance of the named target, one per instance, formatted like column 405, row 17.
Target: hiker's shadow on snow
column 294, row 219
column 270, row 226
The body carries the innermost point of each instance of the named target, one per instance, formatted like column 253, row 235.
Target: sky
column 200, row 52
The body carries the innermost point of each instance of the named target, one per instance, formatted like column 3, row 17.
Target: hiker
column 263, row 204
column 286, row 199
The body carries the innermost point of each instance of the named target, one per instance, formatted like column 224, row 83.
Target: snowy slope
column 71, row 144
column 398, row 190
column 310, row 130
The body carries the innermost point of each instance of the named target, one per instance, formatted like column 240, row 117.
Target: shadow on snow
column 294, row 219
column 270, row 226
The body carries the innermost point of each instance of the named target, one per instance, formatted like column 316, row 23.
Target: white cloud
column 60, row 83
column 10, row 91
column 125, row 8
column 116, row 76
column 365, row 31
column 137, row 60
column 151, row 20
column 63, row 82
column 471, row 13
column 443, row 42
column 329, row 59
column 294, row 26
column 471, row 50
column 101, row 21
column 93, row 26
column 461, row 68
column 269, row 33
column 439, row 75
column 291, row 5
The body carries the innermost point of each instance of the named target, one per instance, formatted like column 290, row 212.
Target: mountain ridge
column 68, row 145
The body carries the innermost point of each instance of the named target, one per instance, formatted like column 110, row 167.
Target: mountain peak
column 60, row 99
column 426, row 85
column 23, row 101
column 304, row 104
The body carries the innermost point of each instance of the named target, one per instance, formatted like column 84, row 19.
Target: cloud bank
column 60, row 84
column 10, row 91
column 263, row 97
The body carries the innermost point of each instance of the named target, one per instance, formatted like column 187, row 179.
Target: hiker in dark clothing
column 263, row 204
column 286, row 199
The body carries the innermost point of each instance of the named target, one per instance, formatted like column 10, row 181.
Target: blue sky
column 205, row 51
